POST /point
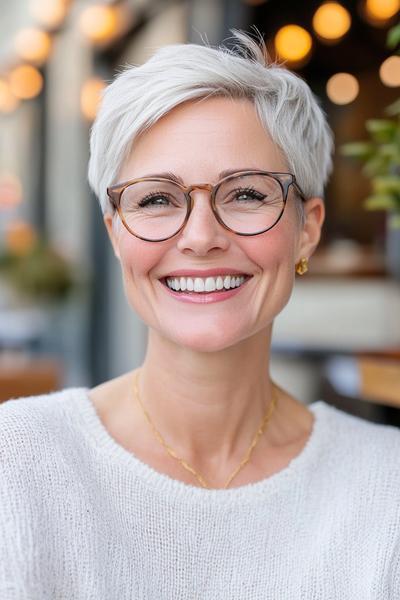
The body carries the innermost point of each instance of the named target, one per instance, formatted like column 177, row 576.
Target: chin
column 203, row 341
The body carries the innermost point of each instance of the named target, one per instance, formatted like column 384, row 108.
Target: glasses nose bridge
column 208, row 187
column 199, row 186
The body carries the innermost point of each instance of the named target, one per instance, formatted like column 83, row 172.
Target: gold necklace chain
column 184, row 464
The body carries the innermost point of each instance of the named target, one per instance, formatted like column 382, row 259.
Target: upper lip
column 205, row 272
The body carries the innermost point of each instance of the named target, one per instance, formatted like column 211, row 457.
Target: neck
column 207, row 406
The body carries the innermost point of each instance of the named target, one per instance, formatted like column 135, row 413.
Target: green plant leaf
column 381, row 130
column 42, row 273
column 394, row 220
column 391, row 151
column 387, row 184
column 361, row 150
column 376, row 165
column 393, row 36
column 380, row 202
column 393, row 109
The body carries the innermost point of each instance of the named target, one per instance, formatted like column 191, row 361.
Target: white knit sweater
column 83, row 518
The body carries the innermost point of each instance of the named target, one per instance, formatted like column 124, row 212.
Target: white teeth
column 219, row 283
column 208, row 284
column 198, row 285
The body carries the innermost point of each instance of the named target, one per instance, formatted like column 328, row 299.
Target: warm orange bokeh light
column 8, row 102
column 331, row 21
column 25, row 82
column 91, row 96
column 48, row 13
column 342, row 88
column 10, row 190
column 381, row 10
column 389, row 71
column 293, row 43
column 33, row 45
column 99, row 23
column 20, row 237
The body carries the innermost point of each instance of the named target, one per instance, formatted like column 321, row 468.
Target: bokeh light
column 25, row 82
column 331, row 21
column 10, row 190
column 342, row 88
column 389, row 71
column 33, row 45
column 20, row 237
column 48, row 13
column 381, row 10
column 8, row 102
column 293, row 43
column 91, row 96
column 99, row 23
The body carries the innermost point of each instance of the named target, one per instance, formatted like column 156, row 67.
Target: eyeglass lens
column 247, row 204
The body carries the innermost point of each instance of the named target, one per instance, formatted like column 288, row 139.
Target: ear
column 108, row 221
column 310, row 234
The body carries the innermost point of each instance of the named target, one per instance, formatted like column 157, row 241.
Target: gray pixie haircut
column 140, row 95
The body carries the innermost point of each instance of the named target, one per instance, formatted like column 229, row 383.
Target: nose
column 202, row 232
column 200, row 186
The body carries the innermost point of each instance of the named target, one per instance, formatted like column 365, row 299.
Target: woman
column 195, row 475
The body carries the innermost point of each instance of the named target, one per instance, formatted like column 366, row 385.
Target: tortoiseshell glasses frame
column 285, row 180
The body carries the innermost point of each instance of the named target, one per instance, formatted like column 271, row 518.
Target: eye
column 152, row 199
column 248, row 194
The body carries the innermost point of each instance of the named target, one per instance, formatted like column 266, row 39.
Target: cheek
column 273, row 249
column 138, row 257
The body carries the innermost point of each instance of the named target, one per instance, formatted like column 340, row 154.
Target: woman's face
column 196, row 141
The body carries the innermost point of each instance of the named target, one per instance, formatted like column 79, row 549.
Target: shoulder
column 364, row 439
column 39, row 440
column 358, row 430
column 37, row 444
column 29, row 421
column 362, row 454
column 23, row 409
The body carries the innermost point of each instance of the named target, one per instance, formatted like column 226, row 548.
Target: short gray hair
column 140, row 95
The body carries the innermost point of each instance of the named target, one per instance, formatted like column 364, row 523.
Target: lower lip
column 201, row 298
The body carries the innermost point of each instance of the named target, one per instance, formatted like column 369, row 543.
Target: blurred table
column 380, row 379
column 25, row 376
column 341, row 315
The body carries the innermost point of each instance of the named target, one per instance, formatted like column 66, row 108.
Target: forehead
column 202, row 138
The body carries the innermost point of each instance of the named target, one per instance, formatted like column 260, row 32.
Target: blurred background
column 64, row 320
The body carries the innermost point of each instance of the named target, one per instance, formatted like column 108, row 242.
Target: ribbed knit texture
column 83, row 518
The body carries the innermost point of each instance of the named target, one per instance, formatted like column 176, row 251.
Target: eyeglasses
column 155, row 209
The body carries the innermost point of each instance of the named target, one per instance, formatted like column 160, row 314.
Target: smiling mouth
column 204, row 292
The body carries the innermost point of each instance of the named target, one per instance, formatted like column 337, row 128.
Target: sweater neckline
column 157, row 481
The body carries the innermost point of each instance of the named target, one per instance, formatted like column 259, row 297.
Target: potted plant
column 380, row 156
column 31, row 270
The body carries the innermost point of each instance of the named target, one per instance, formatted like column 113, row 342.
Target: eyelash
column 251, row 191
column 149, row 197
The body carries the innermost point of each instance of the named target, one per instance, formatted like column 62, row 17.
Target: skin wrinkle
column 213, row 359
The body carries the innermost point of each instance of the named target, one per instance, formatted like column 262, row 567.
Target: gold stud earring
column 302, row 266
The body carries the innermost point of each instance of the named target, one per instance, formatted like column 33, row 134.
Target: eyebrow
column 177, row 179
